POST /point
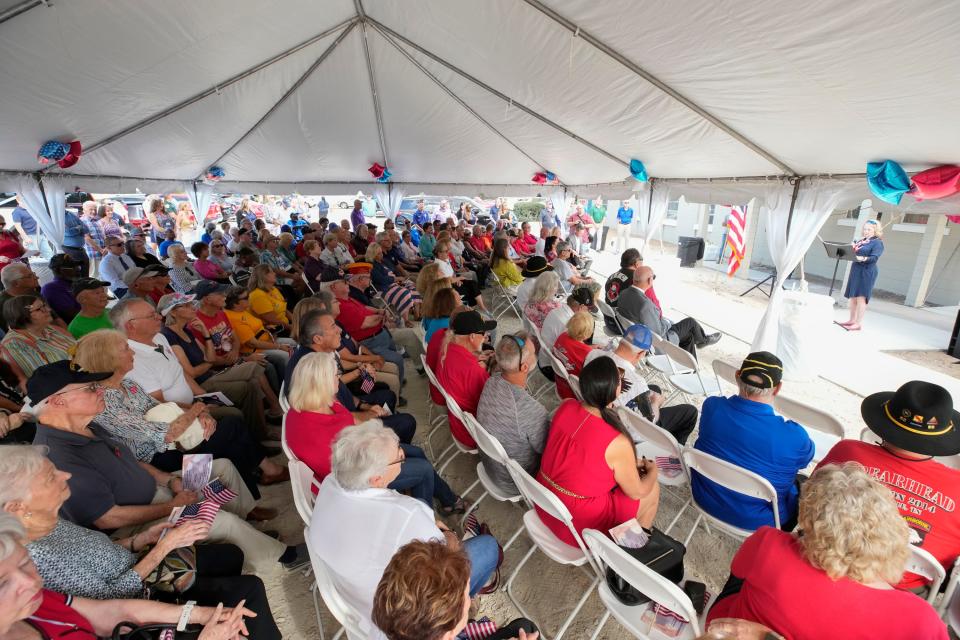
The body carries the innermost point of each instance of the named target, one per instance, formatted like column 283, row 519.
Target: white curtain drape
column 389, row 197
column 561, row 205
column 816, row 200
column 651, row 210
column 51, row 223
column 200, row 195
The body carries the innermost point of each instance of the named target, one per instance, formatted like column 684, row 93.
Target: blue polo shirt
column 750, row 435
column 625, row 215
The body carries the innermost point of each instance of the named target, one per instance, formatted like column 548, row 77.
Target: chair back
column 283, row 437
column 677, row 355
column 655, row 440
column 732, row 477
column 282, row 397
column 643, row 579
column 558, row 367
column 923, row 564
column 306, row 281
column 607, row 310
column 624, row 322
column 302, row 483
column 485, row 440
column 808, row 416
column 869, row 436
column 574, row 382
column 538, row 495
column 725, row 372
column 431, row 376
column 343, row 612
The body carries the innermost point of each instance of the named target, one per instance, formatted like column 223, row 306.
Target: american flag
column 215, row 495
column 736, row 225
column 479, row 629
column 366, row 382
column 668, row 465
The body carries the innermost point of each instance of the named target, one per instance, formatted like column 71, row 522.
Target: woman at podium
column 863, row 273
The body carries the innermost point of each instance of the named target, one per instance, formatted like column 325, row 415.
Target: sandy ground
column 546, row 589
column 935, row 360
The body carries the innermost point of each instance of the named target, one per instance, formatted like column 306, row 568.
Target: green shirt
column 81, row 326
column 597, row 213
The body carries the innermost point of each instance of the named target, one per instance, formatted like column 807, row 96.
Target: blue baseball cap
column 639, row 337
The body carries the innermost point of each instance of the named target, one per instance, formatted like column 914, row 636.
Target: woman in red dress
column 10, row 246
column 590, row 464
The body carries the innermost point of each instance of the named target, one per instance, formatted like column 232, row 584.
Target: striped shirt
column 29, row 352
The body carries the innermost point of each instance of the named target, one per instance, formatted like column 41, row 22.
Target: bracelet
column 185, row 615
column 132, row 541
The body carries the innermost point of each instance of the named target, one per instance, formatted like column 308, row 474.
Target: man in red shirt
column 365, row 326
column 916, row 423
column 461, row 368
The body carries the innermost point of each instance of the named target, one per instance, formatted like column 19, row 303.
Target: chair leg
column 603, row 621
column 316, row 608
column 677, row 517
column 474, row 506
column 696, row 523
column 513, row 576
column 513, row 538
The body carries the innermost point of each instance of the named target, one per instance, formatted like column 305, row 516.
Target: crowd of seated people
column 106, row 385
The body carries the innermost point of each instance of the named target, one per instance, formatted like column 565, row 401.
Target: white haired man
column 358, row 523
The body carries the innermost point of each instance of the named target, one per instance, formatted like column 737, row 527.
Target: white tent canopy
column 299, row 95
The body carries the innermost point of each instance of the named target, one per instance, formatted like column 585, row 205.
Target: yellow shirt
column 246, row 327
column 508, row 273
column 272, row 301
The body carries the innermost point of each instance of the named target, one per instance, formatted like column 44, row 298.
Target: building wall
column 901, row 248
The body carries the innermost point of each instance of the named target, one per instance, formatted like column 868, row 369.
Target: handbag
column 176, row 573
column 662, row 554
column 170, row 411
column 131, row 631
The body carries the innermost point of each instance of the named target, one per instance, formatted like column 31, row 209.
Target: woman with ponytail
column 589, row 461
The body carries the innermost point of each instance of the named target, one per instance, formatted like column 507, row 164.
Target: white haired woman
column 87, row 563
column 834, row 580
column 182, row 274
column 316, row 418
column 29, row 611
column 543, row 298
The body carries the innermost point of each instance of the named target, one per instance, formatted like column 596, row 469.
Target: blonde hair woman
column 837, row 574
column 863, row 273
column 266, row 300
column 572, row 349
column 430, row 280
column 315, row 417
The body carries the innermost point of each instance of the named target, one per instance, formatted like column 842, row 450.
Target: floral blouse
column 85, row 563
column 537, row 312
column 123, row 419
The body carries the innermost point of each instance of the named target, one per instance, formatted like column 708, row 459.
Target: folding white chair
column 492, row 448
column 551, row 546
column 504, row 300
column 458, row 413
column 302, row 483
column 306, row 281
column 686, row 378
column 546, row 385
column 733, row 478
column 648, row 582
column 923, row 564
column 283, row 438
column 607, row 311
column 232, row 280
column 660, row 363
column 574, row 382
column 657, row 442
column 823, row 428
column 434, row 420
column 284, row 403
column 559, row 370
column 725, row 372
column 345, row 615
column 947, row 606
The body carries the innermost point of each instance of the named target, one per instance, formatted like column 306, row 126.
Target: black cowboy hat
column 918, row 417
column 535, row 266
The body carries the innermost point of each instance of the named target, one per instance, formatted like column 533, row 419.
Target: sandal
column 458, row 507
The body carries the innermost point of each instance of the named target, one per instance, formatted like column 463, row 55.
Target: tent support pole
column 502, row 96
column 662, row 86
column 23, row 7
column 215, row 89
column 454, row 96
column 296, row 85
column 362, row 19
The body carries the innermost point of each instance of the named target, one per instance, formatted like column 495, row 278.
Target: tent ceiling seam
column 374, row 94
column 455, row 97
column 659, row 84
column 23, row 7
column 296, row 85
column 497, row 93
column 215, row 89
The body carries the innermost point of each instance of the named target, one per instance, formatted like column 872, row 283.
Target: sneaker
column 301, row 559
column 401, row 401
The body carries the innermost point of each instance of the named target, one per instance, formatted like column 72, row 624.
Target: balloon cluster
column 65, row 154
column 889, row 182
column 638, row 171
column 380, row 172
column 545, row 177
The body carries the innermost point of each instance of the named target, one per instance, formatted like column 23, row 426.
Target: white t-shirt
column 540, row 248
column 357, row 532
column 446, row 271
column 630, row 374
column 553, row 325
column 155, row 371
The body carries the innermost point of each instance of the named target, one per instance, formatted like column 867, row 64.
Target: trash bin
column 689, row 250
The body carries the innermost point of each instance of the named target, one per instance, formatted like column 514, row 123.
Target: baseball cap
column 470, row 322
column 639, row 337
column 52, row 378
column 166, row 303
column 205, row 288
column 62, row 261
column 85, row 284
column 761, row 369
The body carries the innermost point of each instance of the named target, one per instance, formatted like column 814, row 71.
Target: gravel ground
column 546, row 589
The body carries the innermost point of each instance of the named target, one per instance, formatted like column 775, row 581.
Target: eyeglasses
column 43, row 307
column 93, row 387
column 118, row 244
column 153, row 316
column 403, row 456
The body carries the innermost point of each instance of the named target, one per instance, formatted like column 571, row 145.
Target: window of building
column 711, row 210
column 915, row 218
column 672, row 209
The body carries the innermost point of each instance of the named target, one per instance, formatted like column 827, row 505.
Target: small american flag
column 366, row 382
column 217, row 492
column 203, row 511
column 669, row 466
column 479, row 629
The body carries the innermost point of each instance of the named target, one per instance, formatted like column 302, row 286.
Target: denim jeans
column 483, row 552
column 418, row 475
column 382, row 344
column 276, row 367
